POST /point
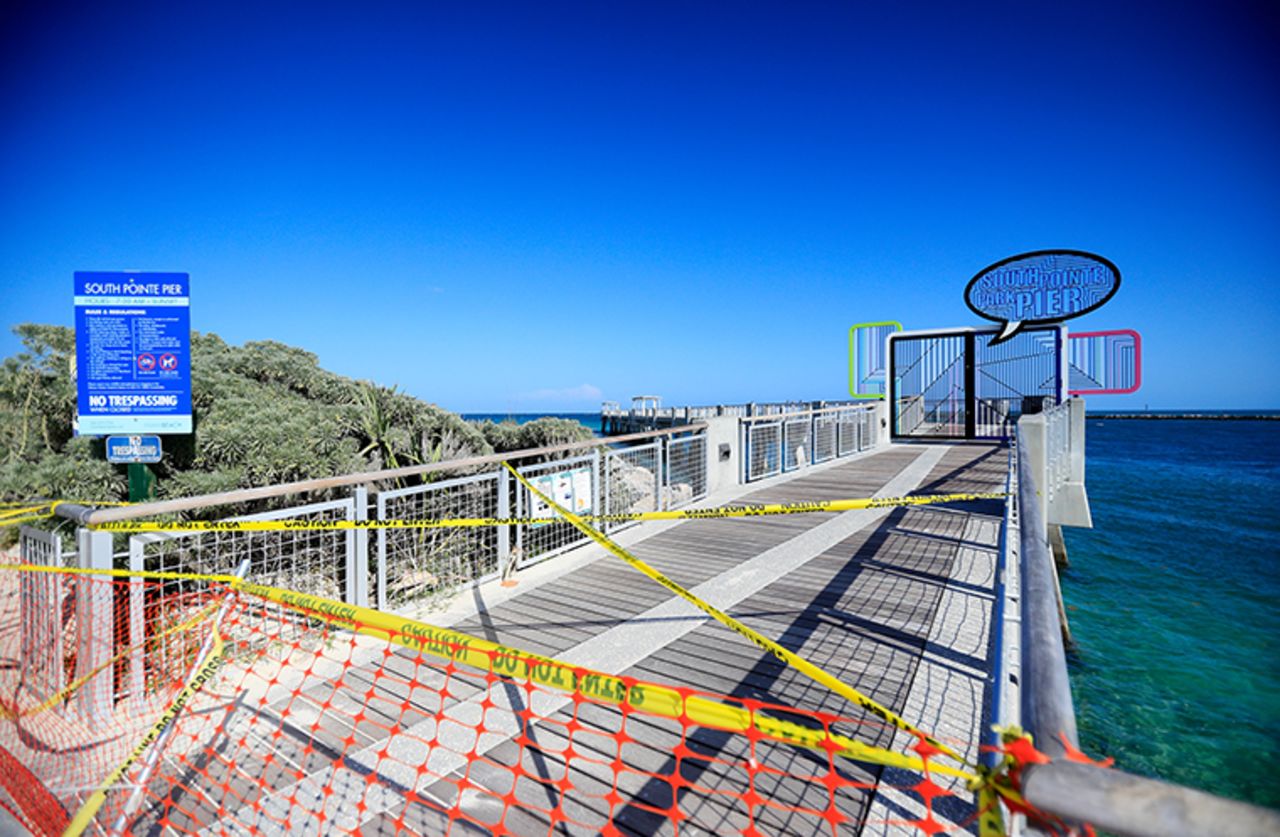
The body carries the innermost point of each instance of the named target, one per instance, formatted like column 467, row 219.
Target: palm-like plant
column 377, row 423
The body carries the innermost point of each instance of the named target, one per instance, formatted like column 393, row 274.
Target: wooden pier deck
column 894, row 602
column 883, row 600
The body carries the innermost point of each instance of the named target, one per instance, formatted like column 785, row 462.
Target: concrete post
column 95, row 634
column 722, row 430
column 1032, row 429
column 880, row 423
column 1077, row 440
column 504, row 510
column 137, row 622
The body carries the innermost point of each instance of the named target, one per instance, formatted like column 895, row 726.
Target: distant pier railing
column 647, row 413
column 774, row 444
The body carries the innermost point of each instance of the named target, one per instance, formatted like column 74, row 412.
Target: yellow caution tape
column 473, row 522
column 783, row 654
column 28, row 519
column 19, row 511
column 28, row 511
column 143, row 574
column 643, row 697
column 990, row 817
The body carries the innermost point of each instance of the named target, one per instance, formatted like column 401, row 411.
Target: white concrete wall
column 882, row 422
column 723, row 474
column 1066, row 504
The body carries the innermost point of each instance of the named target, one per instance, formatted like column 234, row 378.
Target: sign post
column 133, row 359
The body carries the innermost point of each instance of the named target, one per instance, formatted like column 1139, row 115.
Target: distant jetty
column 1200, row 416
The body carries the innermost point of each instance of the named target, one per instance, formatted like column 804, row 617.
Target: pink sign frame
column 1137, row 360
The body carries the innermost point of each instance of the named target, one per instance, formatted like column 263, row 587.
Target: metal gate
column 956, row 385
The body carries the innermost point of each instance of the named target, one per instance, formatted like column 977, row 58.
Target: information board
column 133, row 353
column 570, row 489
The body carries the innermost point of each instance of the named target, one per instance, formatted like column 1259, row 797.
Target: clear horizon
column 514, row 209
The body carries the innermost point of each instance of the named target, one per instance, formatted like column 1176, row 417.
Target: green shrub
column 263, row 413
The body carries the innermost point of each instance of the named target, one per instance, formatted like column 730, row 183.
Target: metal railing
column 1006, row 621
column 649, row 471
column 318, row 562
column 615, row 418
column 686, row 470
column 1057, row 438
column 412, row 564
column 995, row 417
column 41, row 627
column 406, row 569
column 656, row 471
column 1108, row 799
column 633, row 481
column 797, row 442
column 92, row 516
column 785, row 442
column 574, row 483
column 612, row 408
column 825, row 432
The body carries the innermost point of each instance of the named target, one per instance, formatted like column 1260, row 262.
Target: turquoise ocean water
column 1174, row 601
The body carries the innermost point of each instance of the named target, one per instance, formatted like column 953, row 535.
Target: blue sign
column 133, row 353
column 1040, row 288
column 134, row 449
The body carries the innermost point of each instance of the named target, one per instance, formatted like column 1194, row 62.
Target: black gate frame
column 970, row 376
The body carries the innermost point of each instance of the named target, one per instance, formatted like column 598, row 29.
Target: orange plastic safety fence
column 87, row 665
column 296, row 724
column 28, row 800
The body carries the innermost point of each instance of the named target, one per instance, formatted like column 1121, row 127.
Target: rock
column 679, row 494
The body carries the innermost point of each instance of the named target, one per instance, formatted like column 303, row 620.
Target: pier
column 897, row 602
column 946, row 615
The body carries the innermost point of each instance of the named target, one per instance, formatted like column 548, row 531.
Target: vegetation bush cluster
column 264, row 413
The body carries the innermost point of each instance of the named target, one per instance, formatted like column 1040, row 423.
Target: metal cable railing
column 1057, row 433
column 773, row 444
column 405, row 568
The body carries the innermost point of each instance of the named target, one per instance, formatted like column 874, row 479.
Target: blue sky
column 526, row 208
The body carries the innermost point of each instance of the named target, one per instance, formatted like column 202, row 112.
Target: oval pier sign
column 1041, row 287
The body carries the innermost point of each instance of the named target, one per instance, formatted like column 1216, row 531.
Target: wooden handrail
column 242, row 495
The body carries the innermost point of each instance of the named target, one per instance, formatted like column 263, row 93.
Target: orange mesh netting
column 206, row 706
